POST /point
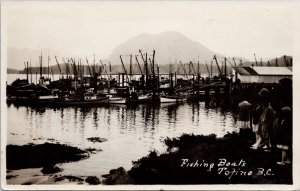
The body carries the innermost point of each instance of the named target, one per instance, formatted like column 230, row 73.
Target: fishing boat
column 138, row 99
column 116, row 100
column 120, row 95
column 172, row 99
column 44, row 100
column 21, row 97
column 88, row 100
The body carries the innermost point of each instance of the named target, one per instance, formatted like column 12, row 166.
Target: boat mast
column 87, row 61
column 130, row 67
column 234, row 61
column 124, row 69
column 198, row 68
column 136, row 58
column 211, row 68
column 184, row 70
column 30, row 71
column 153, row 63
column 255, row 59
column 198, row 73
column 145, row 66
column 26, row 70
column 48, row 65
column 59, row 67
column 41, row 66
column 94, row 65
column 209, row 73
column 109, row 77
column 285, row 60
column 225, row 59
column 217, row 64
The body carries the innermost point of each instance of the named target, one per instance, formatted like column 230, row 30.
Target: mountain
column 169, row 46
column 281, row 61
column 12, row 71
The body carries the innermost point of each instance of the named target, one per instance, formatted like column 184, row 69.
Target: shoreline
column 189, row 159
column 40, row 164
column 198, row 159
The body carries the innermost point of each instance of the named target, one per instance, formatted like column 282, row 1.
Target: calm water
column 130, row 132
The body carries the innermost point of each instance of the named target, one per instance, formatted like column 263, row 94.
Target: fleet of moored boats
column 79, row 89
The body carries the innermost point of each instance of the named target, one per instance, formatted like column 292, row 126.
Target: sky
column 231, row 28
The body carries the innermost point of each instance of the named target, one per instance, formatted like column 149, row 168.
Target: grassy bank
column 197, row 159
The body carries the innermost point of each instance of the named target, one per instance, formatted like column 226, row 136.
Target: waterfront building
column 261, row 74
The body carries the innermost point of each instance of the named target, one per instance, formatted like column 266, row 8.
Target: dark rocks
column 96, row 139
column 27, row 183
column 10, row 176
column 167, row 168
column 51, row 169
column 118, row 176
column 41, row 155
column 93, row 180
column 51, row 140
column 70, row 178
column 93, row 150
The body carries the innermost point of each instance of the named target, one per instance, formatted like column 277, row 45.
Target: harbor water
column 131, row 132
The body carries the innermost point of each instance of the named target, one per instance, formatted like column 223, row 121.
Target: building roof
column 245, row 70
column 264, row 71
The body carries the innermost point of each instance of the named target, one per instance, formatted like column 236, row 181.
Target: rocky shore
column 189, row 159
column 197, row 159
column 41, row 155
column 38, row 164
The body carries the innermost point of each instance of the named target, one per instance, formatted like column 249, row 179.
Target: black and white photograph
column 149, row 95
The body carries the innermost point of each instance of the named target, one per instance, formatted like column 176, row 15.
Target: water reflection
column 131, row 131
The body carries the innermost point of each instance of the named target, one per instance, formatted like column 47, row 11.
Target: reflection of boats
column 172, row 99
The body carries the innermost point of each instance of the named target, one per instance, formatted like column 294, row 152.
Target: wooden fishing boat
column 141, row 99
column 116, row 100
column 31, row 101
column 77, row 102
column 172, row 99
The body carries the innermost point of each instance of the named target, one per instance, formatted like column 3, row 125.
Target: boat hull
column 117, row 100
column 30, row 101
column 79, row 103
column 173, row 99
